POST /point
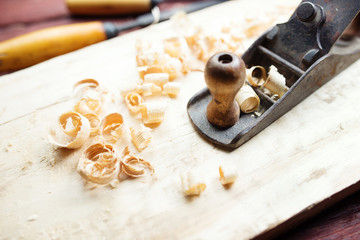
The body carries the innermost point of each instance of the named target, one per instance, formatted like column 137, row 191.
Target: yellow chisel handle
column 32, row 48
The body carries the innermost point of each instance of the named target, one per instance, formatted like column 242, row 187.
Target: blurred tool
column 32, row 48
column 110, row 7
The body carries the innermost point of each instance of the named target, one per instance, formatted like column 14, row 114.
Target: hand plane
column 308, row 50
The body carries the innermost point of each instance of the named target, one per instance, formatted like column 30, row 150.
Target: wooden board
column 287, row 172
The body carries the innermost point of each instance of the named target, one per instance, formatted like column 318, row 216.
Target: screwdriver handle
column 32, row 48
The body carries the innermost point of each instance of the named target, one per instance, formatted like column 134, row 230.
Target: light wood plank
column 300, row 160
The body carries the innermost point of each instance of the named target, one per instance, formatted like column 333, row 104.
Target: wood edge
column 307, row 213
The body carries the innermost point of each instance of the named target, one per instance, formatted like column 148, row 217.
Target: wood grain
column 282, row 173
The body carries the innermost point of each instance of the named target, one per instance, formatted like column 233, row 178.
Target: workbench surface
column 341, row 221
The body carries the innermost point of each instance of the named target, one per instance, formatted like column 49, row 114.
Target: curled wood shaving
column 204, row 45
column 135, row 88
column 84, row 86
column 158, row 79
column 133, row 102
column 72, row 131
column 141, row 137
column 152, row 112
column 150, row 89
column 87, row 82
column 276, row 82
column 99, row 163
column 88, row 105
column 173, row 47
column 173, row 67
column 191, row 186
column 157, row 61
column 148, row 56
column 247, row 99
column 111, row 127
column 235, row 37
column 89, row 88
column 256, row 76
column 171, row 88
column 197, row 46
column 228, row 174
column 134, row 166
column 145, row 89
column 94, row 123
column 144, row 70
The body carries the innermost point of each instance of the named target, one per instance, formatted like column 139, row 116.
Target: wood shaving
column 87, row 82
column 191, row 185
column 247, row 99
column 150, row 89
column 276, row 83
column 111, row 127
column 156, row 60
column 89, row 88
column 235, row 37
column 134, row 166
column 72, row 131
column 88, row 105
column 94, row 123
column 173, row 67
column 153, row 112
column 256, row 76
column 145, row 89
column 158, row 79
column 173, row 47
column 99, row 163
column 133, row 102
column 228, row 174
column 144, row 70
column 141, row 137
column 171, row 88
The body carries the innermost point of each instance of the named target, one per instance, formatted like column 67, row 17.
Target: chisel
column 32, row 48
column 110, row 7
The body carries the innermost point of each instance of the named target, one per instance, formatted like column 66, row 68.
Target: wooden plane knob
column 224, row 76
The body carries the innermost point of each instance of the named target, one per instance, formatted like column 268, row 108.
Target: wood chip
column 228, row 174
column 191, row 185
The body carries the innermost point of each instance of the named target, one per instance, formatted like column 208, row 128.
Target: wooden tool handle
column 224, row 76
column 32, row 48
column 108, row 7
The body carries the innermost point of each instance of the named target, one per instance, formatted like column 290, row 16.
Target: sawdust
column 27, row 165
column 316, row 174
column 8, row 147
column 32, row 218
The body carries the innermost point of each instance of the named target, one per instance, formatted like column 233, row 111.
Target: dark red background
column 341, row 221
